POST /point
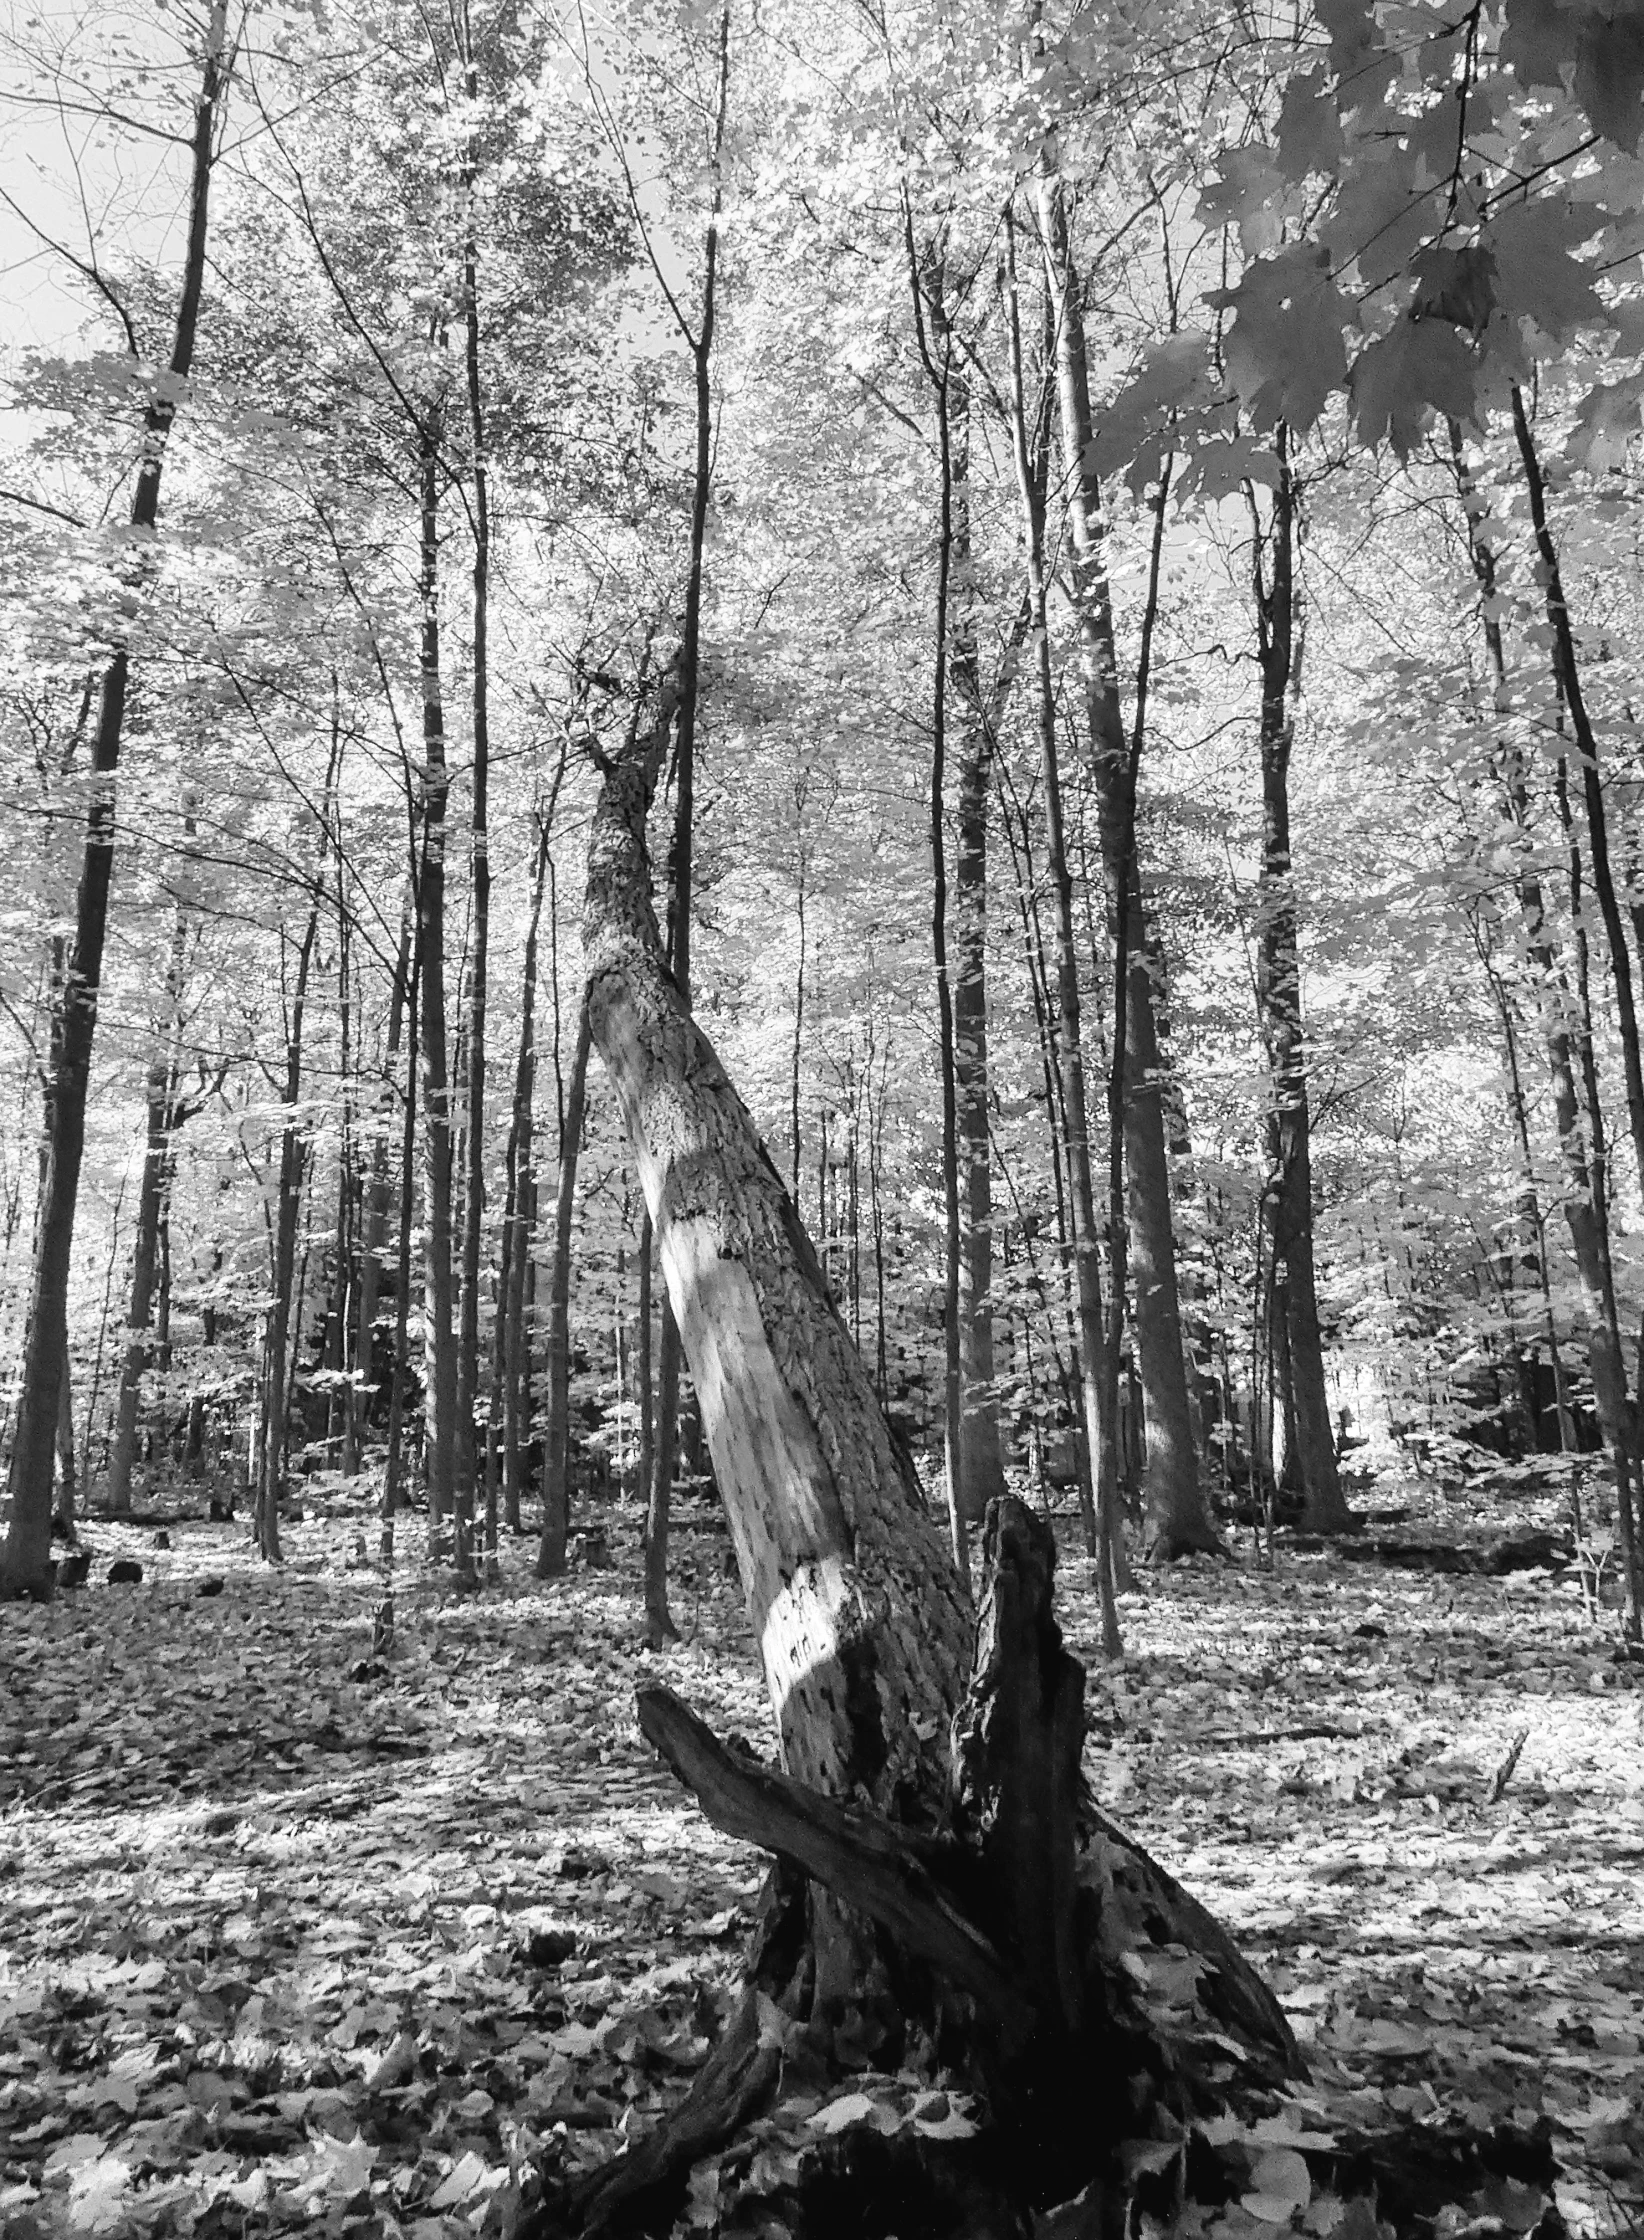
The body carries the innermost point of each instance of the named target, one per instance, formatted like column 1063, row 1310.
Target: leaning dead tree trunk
column 964, row 1900
column 861, row 1618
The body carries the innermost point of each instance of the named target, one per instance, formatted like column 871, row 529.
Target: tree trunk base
column 1165, row 1543
column 1053, row 2024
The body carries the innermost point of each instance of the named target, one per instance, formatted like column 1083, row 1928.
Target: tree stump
column 1004, row 1959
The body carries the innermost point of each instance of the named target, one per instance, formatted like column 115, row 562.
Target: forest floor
column 281, row 1946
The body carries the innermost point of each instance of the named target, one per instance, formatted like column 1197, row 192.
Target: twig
column 1255, row 1739
column 1508, row 1765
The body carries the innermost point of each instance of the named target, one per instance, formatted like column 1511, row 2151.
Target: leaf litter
column 286, row 1947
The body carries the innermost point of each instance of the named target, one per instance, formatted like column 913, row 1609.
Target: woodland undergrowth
column 298, row 1934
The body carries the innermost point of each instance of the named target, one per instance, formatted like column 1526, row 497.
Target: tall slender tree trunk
column 161, row 1116
column 283, row 1328
column 514, row 1352
column 1567, row 672
column 556, row 1460
column 375, row 1227
column 1178, row 1518
column 339, row 1326
column 277, row 1345
column 1605, row 1359
column 438, row 1302
column 1278, row 995
column 1069, row 1028
column 981, row 1457
column 1586, row 1202
column 1532, row 1229
column 400, row 1358
column 664, row 1459
column 1113, row 1464
column 1039, row 977
column 67, row 1480
column 26, row 1568
column 140, row 1312
column 645, row 1354
column 469, row 1365
column 925, row 273
column 658, row 1620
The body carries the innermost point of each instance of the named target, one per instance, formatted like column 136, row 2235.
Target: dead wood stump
column 1028, row 1956
column 998, row 1949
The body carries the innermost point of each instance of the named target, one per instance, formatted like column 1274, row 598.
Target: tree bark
column 645, row 1356
column 140, row 1312
column 27, row 1563
column 936, row 350
column 151, row 1202
column 659, row 1494
column 513, row 1347
column 556, row 1460
column 469, row 1370
column 1590, row 1233
column 67, row 1507
column 438, row 1302
column 400, row 1359
column 1178, row 1518
column 659, row 1485
column 1069, row 1028
column 1581, row 1147
column 1278, row 995
column 1567, row 673
column 277, row 1346
column 982, row 1455
column 282, row 1343
column 375, row 1229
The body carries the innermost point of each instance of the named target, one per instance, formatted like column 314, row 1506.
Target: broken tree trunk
column 1026, row 1951
column 966, row 1909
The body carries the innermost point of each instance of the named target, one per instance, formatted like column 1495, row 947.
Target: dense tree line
column 1116, row 532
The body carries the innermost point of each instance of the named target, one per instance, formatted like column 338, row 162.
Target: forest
column 822, row 1192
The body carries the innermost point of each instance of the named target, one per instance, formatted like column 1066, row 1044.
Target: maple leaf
column 1607, row 420
column 1244, row 196
column 1173, row 375
column 1310, row 135
column 1535, row 275
column 1456, row 284
column 1602, row 47
column 1220, row 465
column 1609, row 73
column 1421, row 367
column 1284, row 352
column 1378, row 222
column 1359, row 57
